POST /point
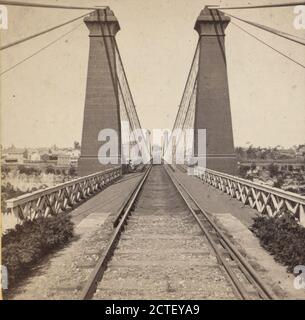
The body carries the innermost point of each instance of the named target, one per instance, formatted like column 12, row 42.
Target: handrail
column 282, row 193
column 61, row 197
column 59, row 186
column 263, row 198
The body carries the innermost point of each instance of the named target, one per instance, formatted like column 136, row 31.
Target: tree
column 50, row 170
column 243, row 170
column 239, row 152
column 26, row 154
column 21, row 169
column 76, row 145
column 28, row 170
column 5, row 169
column 279, row 182
column 273, row 170
column 263, row 155
column 250, row 152
column 72, row 171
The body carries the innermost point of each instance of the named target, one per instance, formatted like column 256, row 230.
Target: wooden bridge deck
column 63, row 274
column 60, row 274
column 214, row 200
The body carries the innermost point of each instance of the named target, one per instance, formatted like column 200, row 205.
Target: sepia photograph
column 152, row 153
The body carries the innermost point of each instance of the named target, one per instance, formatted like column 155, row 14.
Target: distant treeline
column 28, row 170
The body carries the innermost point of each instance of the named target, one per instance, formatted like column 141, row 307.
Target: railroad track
column 164, row 246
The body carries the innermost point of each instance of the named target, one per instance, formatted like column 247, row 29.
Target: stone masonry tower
column 212, row 104
column 101, row 104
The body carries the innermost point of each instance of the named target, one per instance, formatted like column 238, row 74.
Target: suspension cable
column 269, row 46
column 128, row 87
column 187, row 113
column 188, row 77
column 187, row 96
column 268, row 29
column 41, row 33
column 40, row 50
column 276, row 5
column 49, row 6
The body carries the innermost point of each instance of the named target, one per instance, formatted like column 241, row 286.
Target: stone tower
column 213, row 104
column 101, row 102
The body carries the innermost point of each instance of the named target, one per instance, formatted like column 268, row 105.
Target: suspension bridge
column 163, row 239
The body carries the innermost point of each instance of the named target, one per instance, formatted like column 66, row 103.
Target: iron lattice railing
column 263, row 198
column 65, row 196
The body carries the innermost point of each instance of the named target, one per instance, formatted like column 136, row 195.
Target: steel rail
column 124, row 206
column 239, row 289
column 254, row 279
column 98, row 272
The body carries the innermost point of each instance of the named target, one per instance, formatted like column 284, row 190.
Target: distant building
column 286, row 153
column 74, row 156
column 53, row 157
column 63, row 160
column 300, row 152
column 45, row 157
column 34, row 156
column 75, row 153
column 283, row 165
column 13, row 155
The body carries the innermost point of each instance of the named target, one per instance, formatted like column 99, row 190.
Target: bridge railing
column 64, row 196
column 263, row 198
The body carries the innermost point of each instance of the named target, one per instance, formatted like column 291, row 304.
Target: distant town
column 41, row 158
column 26, row 170
column 277, row 167
column 30, row 169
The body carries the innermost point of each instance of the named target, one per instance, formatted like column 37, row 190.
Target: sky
column 42, row 100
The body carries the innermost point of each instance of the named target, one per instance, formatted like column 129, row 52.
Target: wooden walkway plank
column 62, row 273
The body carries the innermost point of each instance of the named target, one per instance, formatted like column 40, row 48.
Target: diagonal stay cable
column 193, row 94
column 6, row 46
column 48, row 6
column 263, row 6
column 187, row 81
column 40, row 50
column 268, row 29
column 268, row 45
column 126, row 80
column 135, row 117
column 183, row 105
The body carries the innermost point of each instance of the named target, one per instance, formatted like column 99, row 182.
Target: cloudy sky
column 42, row 100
